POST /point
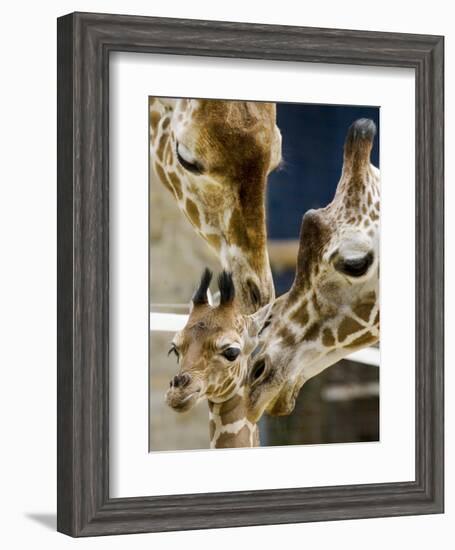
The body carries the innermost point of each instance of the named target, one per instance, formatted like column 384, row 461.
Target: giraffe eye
column 231, row 354
column 186, row 160
column 355, row 267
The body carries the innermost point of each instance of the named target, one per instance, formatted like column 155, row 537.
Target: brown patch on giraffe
column 348, row 326
column 176, row 184
column 376, row 319
column 312, row 332
column 193, row 213
column 287, row 336
column 377, row 205
column 239, row 439
column 168, row 154
column 154, row 119
column 162, row 144
column 364, row 209
column 369, row 199
column 162, row 176
column 374, row 216
column 214, row 241
column 366, row 222
column 363, row 310
column 301, row 314
column 212, row 427
column 230, row 411
column 328, row 339
column 370, row 296
column 371, row 232
column 363, row 340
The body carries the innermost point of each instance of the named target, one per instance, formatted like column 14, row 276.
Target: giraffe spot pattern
column 239, row 439
column 347, row 327
column 301, row 316
column 176, row 184
column 287, row 337
column 363, row 340
column 328, row 338
column 154, row 119
column 162, row 176
column 235, row 411
column 363, row 310
column 161, row 145
column 193, row 213
column 312, row 332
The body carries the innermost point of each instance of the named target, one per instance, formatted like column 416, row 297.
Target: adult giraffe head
column 214, row 156
column 212, row 351
column 332, row 308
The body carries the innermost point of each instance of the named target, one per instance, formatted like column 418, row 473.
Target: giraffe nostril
column 180, row 380
column 255, row 293
column 185, row 379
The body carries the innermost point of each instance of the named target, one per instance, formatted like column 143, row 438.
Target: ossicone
column 226, row 287
column 200, row 296
column 358, row 144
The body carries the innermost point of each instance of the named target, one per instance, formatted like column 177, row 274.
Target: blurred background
column 339, row 405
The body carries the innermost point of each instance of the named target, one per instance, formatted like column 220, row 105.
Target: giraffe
column 214, row 156
column 212, row 351
column 332, row 308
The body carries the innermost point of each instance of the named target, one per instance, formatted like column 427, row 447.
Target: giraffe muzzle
column 183, row 392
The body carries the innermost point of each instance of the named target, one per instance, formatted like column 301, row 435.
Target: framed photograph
column 250, row 274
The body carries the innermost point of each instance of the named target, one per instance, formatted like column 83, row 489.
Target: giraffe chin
column 182, row 401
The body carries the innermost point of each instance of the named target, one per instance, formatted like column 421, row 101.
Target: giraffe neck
column 229, row 426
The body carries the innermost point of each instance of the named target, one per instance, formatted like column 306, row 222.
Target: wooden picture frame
column 84, row 44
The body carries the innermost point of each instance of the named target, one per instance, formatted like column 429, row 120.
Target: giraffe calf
column 212, row 352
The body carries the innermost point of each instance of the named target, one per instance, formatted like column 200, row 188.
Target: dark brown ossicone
column 227, row 288
column 358, row 144
column 200, row 296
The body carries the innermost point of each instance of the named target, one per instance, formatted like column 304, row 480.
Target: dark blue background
column 313, row 139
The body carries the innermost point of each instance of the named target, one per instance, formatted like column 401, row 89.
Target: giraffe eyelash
column 175, row 351
column 193, row 166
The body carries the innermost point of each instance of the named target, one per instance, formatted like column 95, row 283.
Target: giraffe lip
column 189, row 396
column 182, row 404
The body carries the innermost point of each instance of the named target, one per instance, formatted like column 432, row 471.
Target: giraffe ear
column 258, row 320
